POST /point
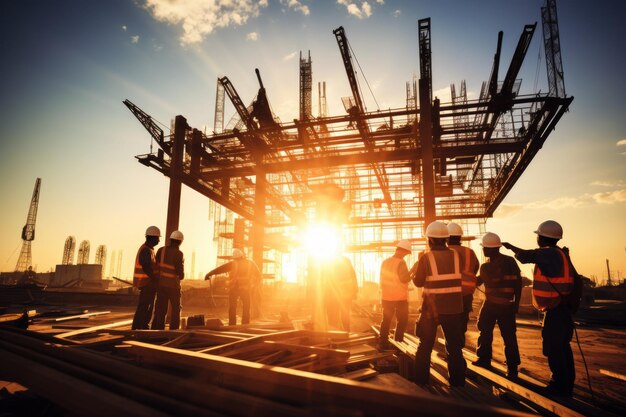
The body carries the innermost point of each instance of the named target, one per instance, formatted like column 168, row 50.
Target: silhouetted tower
column 608, row 274
column 28, row 232
column 68, row 251
column 83, row 253
column 306, row 81
column 321, row 93
column 218, row 121
column 101, row 257
column 552, row 46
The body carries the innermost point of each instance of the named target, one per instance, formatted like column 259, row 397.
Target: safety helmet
column 153, row 231
column 550, row 229
column 237, row 253
column 491, row 240
column 437, row 229
column 404, row 244
column 177, row 235
column 454, row 229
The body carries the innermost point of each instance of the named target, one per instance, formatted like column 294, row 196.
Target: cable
column 364, row 77
column 593, row 399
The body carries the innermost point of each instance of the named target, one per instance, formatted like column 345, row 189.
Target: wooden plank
column 360, row 374
column 338, row 354
column 81, row 316
column 613, row 374
column 305, row 388
column 94, row 329
column 246, row 342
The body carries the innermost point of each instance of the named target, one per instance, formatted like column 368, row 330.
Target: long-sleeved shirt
column 394, row 279
column 547, row 259
column 496, row 274
column 147, row 260
column 173, row 256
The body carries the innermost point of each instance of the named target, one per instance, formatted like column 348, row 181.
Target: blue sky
column 68, row 65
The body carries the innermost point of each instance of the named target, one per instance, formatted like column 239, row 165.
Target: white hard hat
column 404, row 244
column 550, row 229
column 153, row 231
column 491, row 240
column 437, row 229
column 237, row 253
column 177, row 235
column 454, row 229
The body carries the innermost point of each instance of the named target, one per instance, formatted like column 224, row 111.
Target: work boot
column 383, row 346
column 482, row 363
column 512, row 373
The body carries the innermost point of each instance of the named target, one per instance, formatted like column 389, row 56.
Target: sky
column 68, row 65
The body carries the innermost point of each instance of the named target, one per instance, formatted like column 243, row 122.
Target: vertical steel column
column 258, row 226
column 426, row 144
column 176, row 171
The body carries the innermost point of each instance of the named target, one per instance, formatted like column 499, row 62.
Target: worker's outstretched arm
column 222, row 269
column 515, row 249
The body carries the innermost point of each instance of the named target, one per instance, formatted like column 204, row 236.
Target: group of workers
column 449, row 273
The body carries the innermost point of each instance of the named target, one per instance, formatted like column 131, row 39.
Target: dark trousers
column 426, row 330
column 338, row 312
column 558, row 328
column 401, row 310
column 233, row 296
column 467, row 309
column 143, row 313
column 504, row 316
column 165, row 296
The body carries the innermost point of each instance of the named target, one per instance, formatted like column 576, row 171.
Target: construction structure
column 68, row 251
column 25, row 261
column 378, row 176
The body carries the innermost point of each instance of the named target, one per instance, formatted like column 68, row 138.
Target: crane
column 25, row 261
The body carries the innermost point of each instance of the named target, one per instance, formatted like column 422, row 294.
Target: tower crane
column 25, row 261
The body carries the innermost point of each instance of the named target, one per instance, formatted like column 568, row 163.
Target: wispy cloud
column 362, row 12
column 296, row 5
column 199, row 18
column 124, row 28
column 380, row 1
column 621, row 142
column 290, row 56
column 252, row 36
column 560, row 203
column 134, row 39
column 397, row 13
column 608, row 184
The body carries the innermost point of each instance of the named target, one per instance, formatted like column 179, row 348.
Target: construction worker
column 553, row 280
column 171, row 271
column 438, row 271
column 503, row 289
column 243, row 276
column 394, row 283
column 145, row 278
column 340, row 289
column 469, row 267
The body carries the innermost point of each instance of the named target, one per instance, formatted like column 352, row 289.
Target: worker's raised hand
column 507, row 245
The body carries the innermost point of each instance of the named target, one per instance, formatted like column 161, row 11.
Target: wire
column 364, row 77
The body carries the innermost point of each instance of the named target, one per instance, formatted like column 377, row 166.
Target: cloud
column 134, row 39
column 621, row 142
column 199, row 18
column 608, row 184
column 362, row 12
column 124, row 28
column 290, row 56
column 397, row 13
column 560, row 203
column 252, row 36
column 296, row 5
column 380, row 1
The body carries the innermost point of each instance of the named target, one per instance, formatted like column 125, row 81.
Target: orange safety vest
column 242, row 274
column 547, row 290
column 140, row 278
column 392, row 288
column 468, row 276
column 446, row 287
column 503, row 294
column 167, row 272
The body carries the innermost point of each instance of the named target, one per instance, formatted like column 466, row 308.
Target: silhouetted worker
column 146, row 279
column 503, row 289
column 394, row 284
column 243, row 276
column 439, row 272
column 553, row 279
column 469, row 267
column 340, row 289
column 171, row 272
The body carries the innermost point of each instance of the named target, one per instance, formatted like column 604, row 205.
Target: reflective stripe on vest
column 467, row 275
column 545, row 296
column 504, row 294
column 442, row 283
column 140, row 278
column 167, row 272
column 391, row 286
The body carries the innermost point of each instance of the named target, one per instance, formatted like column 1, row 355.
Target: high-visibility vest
column 392, row 288
column 140, row 278
column 168, row 277
column 468, row 276
column 446, row 288
column 546, row 289
column 241, row 274
column 502, row 290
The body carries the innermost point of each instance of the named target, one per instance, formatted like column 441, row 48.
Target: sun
column 322, row 241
